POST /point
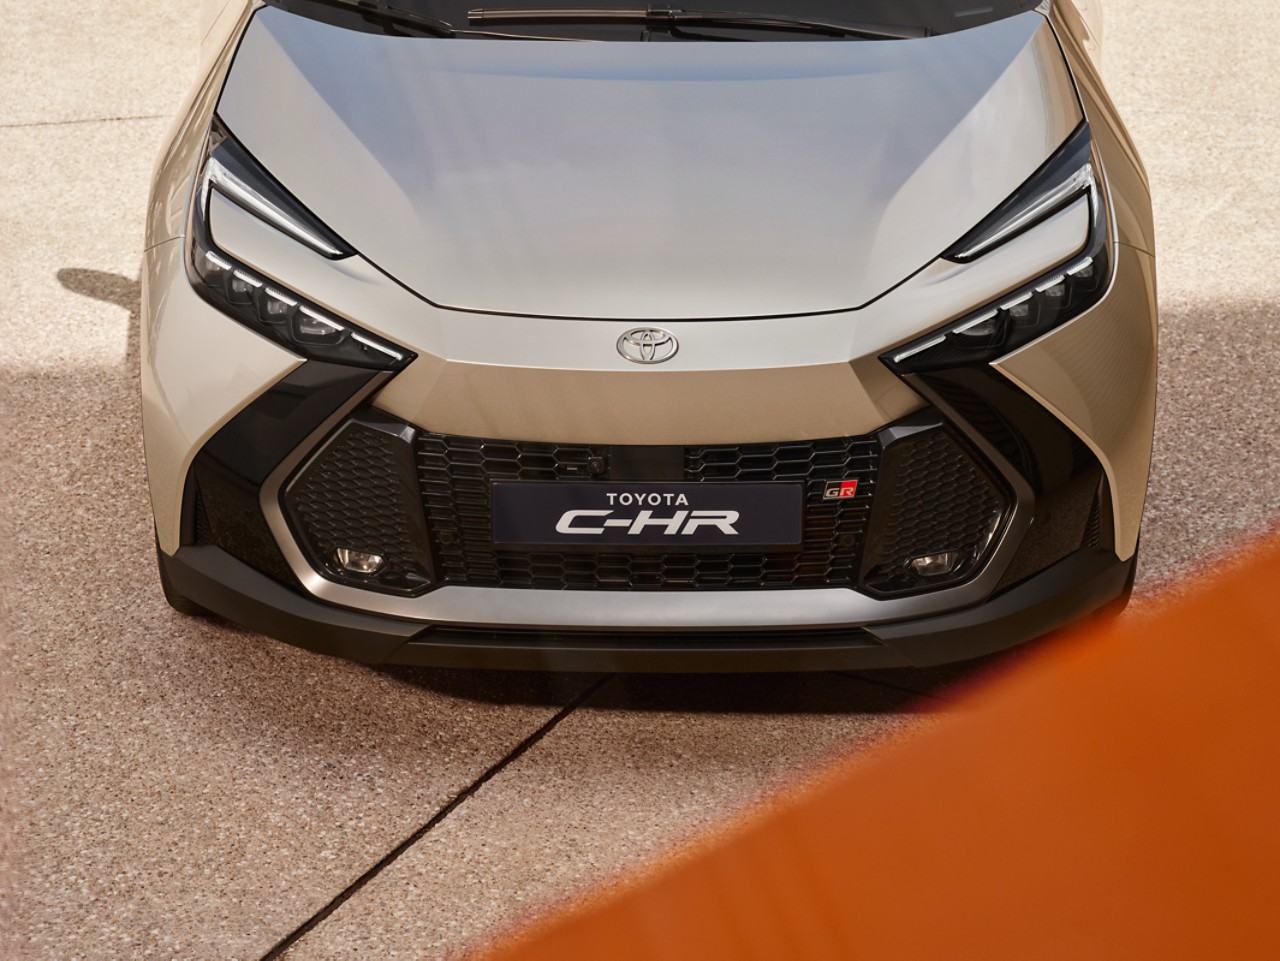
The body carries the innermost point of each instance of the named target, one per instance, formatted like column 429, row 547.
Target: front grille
column 456, row 474
column 937, row 497
column 360, row 493
column 422, row 501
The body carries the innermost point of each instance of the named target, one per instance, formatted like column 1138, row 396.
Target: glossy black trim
column 1062, row 472
column 1030, row 310
column 260, row 303
column 258, row 438
column 229, row 471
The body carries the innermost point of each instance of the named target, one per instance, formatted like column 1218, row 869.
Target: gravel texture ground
column 183, row 789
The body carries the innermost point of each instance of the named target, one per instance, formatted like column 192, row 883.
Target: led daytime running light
column 286, row 317
column 1062, row 179
column 235, row 189
column 259, row 302
column 1000, row 328
column 1053, row 200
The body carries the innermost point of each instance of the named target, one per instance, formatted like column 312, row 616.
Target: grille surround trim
column 640, row 610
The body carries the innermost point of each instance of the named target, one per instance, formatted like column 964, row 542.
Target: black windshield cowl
column 386, row 16
column 758, row 20
column 390, row 19
column 658, row 16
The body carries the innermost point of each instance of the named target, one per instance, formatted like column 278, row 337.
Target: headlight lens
column 1063, row 178
column 258, row 302
column 1027, row 312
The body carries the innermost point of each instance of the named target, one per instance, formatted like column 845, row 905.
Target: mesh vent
column 422, row 501
column 1093, row 526
column 989, row 420
column 232, row 519
column 456, row 474
column 936, row 498
column 203, row 532
column 359, row 493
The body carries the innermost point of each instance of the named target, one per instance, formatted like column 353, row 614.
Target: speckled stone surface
column 185, row 789
column 1198, row 86
column 94, row 60
column 648, row 761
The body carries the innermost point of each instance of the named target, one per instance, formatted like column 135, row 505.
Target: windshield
column 744, row 20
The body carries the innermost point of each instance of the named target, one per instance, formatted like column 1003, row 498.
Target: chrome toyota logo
column 647, row 345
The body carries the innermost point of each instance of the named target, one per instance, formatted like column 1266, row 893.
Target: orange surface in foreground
column 1117, row 796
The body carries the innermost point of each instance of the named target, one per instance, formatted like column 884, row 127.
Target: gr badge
column 841, row 490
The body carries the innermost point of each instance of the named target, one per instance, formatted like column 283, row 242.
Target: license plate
column 674, row 516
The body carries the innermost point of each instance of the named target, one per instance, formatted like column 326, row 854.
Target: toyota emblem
column 648, row 345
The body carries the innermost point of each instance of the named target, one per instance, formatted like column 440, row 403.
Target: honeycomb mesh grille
column 426, row 508
column 937, row 498
column 354, row 496
column 203, row 530
column 456, row 474
column 1093, row 526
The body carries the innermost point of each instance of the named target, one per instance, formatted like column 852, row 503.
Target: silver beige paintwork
column 817, row 376
column 198, row 371
column 544, row 378
column 649, row 182
column 562, row 380
column 1098, row 373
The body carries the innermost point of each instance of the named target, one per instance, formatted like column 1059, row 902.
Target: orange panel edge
column 1114, row 796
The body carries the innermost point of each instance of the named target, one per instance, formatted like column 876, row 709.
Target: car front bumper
column 1064, row 423
column 1077, row 585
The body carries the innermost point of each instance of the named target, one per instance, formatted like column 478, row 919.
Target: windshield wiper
column 397, row 16
column 420, row 24
column 659, row 16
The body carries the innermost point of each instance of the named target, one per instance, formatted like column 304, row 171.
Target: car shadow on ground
column 115, row 289
column 777, row 693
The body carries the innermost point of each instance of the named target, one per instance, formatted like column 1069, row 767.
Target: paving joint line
column 307, row 926
column 896, row 687
column 79, row 120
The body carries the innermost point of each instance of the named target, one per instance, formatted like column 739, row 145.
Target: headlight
column 261, row 304
column 1022, row 315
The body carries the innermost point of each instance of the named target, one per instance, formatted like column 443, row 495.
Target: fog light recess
column 935, row 565
column 357, row 562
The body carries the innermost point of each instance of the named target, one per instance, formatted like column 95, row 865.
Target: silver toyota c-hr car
column 805, row 334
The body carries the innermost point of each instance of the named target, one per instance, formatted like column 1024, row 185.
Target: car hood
column 649, row 180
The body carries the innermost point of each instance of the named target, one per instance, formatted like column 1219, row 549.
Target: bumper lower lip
column 1081, row 583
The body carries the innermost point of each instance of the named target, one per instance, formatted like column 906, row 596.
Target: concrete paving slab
column 646, row 762
column 186, row 789
column 1189, row 59
column 190, row 790
column 89, row 61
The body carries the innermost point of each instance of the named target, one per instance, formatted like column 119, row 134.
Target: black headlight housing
column 1060, row 480
column 256, row 301
column 1038, row 306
